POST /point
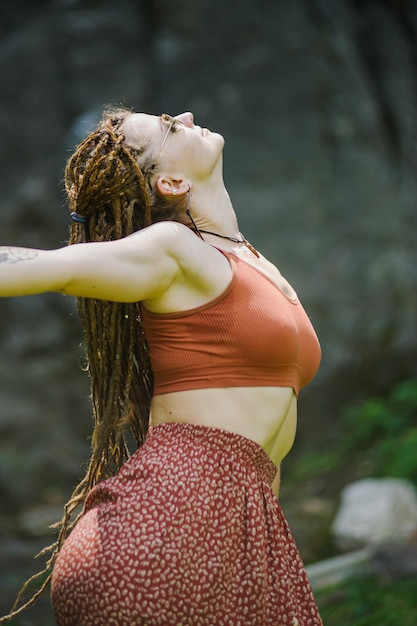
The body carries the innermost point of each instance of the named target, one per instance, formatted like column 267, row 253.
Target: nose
column 186, row 118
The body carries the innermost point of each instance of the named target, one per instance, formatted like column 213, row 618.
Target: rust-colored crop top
column 251, row 335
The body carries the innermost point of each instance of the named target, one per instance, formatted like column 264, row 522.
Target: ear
column 168, row 186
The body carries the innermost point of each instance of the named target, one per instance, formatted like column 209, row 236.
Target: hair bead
column 76, row 217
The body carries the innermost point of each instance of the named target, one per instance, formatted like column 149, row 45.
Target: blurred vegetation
column 370, row 602
column 379, row 439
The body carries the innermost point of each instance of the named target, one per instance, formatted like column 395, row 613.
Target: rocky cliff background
column 317, row 102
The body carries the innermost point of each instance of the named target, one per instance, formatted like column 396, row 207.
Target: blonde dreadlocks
column 110, row 196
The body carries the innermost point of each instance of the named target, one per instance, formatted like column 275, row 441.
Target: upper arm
column 135, row 268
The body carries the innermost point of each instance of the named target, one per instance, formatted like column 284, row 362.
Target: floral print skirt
column 189, row 533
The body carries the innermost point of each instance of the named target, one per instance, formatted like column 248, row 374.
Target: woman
column 185, row 320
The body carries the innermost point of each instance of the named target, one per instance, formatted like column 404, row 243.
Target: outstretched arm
column 20, row 272
column 127, row 270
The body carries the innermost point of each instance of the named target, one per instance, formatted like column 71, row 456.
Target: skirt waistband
column 236, row 448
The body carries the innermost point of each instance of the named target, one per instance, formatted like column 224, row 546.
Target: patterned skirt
column 189, row 533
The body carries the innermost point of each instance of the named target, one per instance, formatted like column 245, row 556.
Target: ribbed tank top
column 251, row 335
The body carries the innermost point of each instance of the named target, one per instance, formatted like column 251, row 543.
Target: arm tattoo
column 15, row 255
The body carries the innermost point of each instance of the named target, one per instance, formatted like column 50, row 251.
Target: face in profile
column 178, row 145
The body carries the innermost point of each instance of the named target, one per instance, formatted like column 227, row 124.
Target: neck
column 236, row 238
column 212, row 211
column 241, row 239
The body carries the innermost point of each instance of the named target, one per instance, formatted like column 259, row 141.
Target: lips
column 203, row 131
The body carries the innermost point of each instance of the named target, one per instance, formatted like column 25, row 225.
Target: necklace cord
column 194, row 225
column 210, row 232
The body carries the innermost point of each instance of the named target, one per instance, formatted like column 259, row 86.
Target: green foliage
column 387, row 429
column 379, row 439
column 316, row 463
column 385, row 416
column 398, row 458
column 370, row 602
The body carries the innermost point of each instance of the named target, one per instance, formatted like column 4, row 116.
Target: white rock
column 374, row 511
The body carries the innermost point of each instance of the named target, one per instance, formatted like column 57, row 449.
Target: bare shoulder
column 195, row 256
column 169, row 237
column 202, row 272
column 179, row 242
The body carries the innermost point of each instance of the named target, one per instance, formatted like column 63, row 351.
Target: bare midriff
column 267, row 415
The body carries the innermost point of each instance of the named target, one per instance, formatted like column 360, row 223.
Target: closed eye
column 175, row 125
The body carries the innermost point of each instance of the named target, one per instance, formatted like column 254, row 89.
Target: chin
column 218, row 139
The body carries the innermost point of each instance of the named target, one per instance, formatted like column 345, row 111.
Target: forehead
column 141, row 127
